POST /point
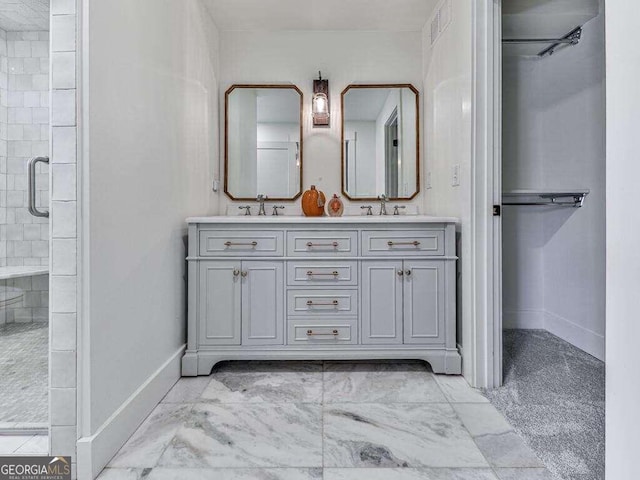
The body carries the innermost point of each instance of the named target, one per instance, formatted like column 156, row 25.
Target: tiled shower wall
column 24, row 133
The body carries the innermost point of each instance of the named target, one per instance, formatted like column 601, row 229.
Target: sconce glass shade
column 320, row 107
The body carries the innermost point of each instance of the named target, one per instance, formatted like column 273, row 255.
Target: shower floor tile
column 24, row 351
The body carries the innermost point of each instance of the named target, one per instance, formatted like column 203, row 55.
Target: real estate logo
column 35, row 468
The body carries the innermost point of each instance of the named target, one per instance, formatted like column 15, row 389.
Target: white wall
column 447, row 127
column 152, row 111
column 623, row 230
column 554, row 258
column 343, row 57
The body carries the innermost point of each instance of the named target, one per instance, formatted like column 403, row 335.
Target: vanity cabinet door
column 262, row 303
column 424, row 299
column 382, row 302
column 219, row 303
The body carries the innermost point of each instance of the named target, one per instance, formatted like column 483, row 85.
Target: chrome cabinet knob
column 408, row 273
column 400, row 273
column 236, row 272
column 244, row 274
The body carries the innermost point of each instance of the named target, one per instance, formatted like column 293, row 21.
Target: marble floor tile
column 286, row 383
column 37, row 445
column 380, row 383
column 124, row 474
column 235, row 474
column 507, row 450
column 146, row 445
column 457, row 390
column 10, row 443
column 523, row 474
column 409, row 474
column 187, row 390
column 248, row 435
column 481, row 419
column 397, row 435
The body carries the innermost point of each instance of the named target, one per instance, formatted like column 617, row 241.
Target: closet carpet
column 554, row 396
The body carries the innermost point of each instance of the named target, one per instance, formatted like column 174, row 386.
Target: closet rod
column 571, row 38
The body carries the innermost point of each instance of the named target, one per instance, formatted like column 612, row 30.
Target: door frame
column 483, row 367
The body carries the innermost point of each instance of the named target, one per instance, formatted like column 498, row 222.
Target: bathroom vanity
column 292, row 288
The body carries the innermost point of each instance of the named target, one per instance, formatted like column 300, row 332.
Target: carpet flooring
column 554, row 396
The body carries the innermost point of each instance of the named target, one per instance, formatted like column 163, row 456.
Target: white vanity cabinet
column 287, row 288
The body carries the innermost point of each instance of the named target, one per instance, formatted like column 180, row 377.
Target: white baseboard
column 584, row 339
column 96, row 451
column 523, row 319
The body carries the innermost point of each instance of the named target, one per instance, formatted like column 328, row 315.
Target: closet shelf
column 557, row 198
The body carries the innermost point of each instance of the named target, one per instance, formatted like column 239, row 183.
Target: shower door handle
column 32, row 187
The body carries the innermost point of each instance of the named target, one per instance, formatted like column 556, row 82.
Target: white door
column 382, row 302
column 262, row 303
column 424, row 299
column 219, row 303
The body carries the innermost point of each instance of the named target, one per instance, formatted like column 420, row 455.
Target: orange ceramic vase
column 313, row 202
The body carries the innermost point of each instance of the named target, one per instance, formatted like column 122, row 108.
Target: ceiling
column 359, row 15
column 24, row 15
column 543, row 19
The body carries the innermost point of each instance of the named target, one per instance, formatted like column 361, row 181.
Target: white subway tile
column 63, row 218
column 64, row 70
column 63, row 33
column 21, row 48
column 40, row 49
column 63, row 294
column 63, row 7
column 63, row 369
column 31, row 66
column 31, row 99
column 63, row 108
column 63, row 441
column 64, row 145
column 63, row 256
column 63, row 406
column 63, row 331
column 64, row 182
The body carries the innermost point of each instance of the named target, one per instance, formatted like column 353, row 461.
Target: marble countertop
column 356, row 219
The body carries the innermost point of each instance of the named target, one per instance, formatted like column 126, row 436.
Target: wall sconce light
column 320, row 102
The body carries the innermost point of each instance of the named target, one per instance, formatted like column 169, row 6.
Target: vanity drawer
column 322, row 273
column 329, row 243
column 322, row 302
column 241, row 243
column 322, row 333
column 402, row 242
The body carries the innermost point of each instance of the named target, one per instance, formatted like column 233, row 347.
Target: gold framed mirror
column 380, row 141
column 263, row 142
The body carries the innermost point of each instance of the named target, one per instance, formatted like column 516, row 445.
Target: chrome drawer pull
column 313, row 274
column 239, row 244
column 415, row 243
column 332, row 244
column 311, row 333
column 311, row 303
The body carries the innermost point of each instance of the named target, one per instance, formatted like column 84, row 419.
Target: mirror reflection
column 263, row 142
column 380, row 141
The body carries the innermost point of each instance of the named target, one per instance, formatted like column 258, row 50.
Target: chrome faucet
column 246, row 208
column 368, row 208
column 261, row 199
column 383, row 204
column 396, row 209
